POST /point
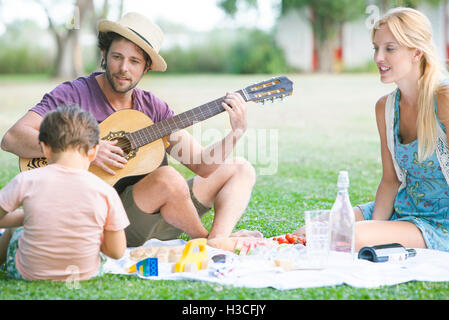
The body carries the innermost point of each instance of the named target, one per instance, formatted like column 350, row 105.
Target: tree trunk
column 69, row 57
column 120, row 11
column 323, row 43
column 385, row 4
column 315, row 57
column 325, row 55
column 64, row 67
column 338, row 51
column 103, row 14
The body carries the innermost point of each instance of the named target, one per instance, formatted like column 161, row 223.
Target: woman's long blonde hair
column 412, row 29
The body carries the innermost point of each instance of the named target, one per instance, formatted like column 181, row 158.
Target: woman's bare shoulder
column 380, row 105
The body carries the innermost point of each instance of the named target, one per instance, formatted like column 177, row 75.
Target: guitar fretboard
column 183, row 120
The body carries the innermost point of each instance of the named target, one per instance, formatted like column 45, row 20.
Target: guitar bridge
column 123, row 143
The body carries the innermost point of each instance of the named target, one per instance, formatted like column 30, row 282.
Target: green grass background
column 326, row 126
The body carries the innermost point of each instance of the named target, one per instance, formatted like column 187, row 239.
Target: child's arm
column 113, row 244
column 12, row 219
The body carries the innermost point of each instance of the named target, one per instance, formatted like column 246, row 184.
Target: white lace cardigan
column 441, row 149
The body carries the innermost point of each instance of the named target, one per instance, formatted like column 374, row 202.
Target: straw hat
column 142, row 31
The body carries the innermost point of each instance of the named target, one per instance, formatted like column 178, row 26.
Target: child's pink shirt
column 65, row 213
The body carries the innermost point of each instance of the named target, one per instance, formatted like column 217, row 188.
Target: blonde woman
column 412, row 200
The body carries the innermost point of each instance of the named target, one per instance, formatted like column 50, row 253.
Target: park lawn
column 326, row 126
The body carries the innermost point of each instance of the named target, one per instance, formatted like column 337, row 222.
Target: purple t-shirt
column 86, row 93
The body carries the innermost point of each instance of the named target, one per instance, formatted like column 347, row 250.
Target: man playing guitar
column 161, row 204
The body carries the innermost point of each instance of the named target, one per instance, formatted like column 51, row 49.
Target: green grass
column 318, row 135
column 128, row 287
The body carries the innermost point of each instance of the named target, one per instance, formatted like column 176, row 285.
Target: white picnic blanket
column 427, row 265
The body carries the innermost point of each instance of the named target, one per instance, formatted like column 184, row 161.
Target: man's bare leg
column 165, row 190
column 228, row 189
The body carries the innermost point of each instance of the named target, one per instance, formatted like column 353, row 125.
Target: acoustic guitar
column 141, row 139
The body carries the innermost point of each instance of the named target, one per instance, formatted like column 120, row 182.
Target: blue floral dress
column 425, row 199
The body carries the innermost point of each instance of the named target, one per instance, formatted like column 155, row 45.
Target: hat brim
column 158, row 63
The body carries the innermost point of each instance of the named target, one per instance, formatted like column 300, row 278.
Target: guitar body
column 142, row 141
column 141, row 161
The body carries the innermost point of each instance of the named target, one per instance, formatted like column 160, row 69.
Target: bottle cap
column 343, row 179
column 411, row 252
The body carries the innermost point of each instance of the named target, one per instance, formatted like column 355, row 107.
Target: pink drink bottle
column 342, row 220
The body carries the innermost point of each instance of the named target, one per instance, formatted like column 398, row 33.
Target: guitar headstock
column 275, row 88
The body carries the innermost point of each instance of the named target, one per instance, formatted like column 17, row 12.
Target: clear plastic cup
column 317, row 236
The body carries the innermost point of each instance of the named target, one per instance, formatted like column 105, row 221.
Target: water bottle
column 342, row 220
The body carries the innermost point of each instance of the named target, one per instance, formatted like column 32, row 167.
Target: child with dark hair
column 69, row 215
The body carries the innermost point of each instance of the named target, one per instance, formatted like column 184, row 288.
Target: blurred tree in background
column 26, row 48
column 386, row 4
column 69, row 58
column 69, row 62
column 256, row 52
column 247, row 51
column 325, row 17
column 20, row 53
column 32, row 56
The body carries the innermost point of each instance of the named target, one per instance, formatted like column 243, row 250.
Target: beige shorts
column 144, row 226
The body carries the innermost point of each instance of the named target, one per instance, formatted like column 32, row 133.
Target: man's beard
column 114, row 86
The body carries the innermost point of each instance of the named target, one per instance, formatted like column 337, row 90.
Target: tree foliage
column 230, row 6
column 256, row 52
column 386, row 4
column 326, row 18
column 20, row 53
column 247, row 51
column 327, row 15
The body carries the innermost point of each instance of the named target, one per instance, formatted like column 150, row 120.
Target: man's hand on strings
column 110, row 155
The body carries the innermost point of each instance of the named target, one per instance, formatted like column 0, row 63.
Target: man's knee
column 170, row 182
column 243, row 168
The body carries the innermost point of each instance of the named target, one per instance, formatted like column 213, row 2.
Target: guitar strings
column 125, row 144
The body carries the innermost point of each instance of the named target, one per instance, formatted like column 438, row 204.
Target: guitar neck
column 183, row 120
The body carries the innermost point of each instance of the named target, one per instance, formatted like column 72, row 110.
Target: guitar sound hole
column 124, row 144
